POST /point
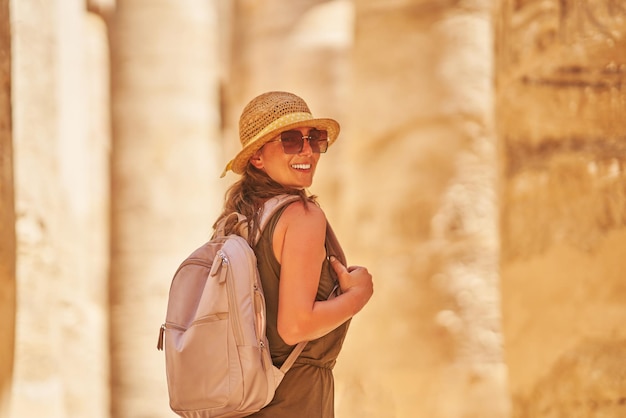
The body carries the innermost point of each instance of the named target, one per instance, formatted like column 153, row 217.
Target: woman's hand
column 355, row 281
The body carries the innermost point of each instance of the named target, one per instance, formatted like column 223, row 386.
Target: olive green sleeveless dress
column 307, row 391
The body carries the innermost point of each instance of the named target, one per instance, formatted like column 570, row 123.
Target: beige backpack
column 217, row 357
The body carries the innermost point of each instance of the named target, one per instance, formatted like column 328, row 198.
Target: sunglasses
column 293, row 141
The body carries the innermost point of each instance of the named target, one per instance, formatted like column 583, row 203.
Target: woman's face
column 290, row 170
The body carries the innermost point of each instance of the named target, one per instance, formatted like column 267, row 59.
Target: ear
column 257, row 160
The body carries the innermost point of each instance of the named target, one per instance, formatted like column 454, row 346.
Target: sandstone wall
column 561, row 106
column 7, row 216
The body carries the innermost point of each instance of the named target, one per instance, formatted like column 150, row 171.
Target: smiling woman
column 293, row 163
column 271, row 115
column 281, row 145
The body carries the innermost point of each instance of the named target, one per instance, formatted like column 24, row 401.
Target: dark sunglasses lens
column 292, row 142
column 318, row 140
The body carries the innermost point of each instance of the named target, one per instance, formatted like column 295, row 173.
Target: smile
column 301, row 166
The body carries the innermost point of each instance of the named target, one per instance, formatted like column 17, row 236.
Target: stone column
column 7, row 217
column 164, row 178
column 61, row 188
column 37, row 388
column 419, row 210
column 561, row 101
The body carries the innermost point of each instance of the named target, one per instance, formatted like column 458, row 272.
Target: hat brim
column 285, row 123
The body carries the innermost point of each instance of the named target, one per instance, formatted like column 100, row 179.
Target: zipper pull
column 219, row 261
column 220, row 264
column 223, row 267
column 262, row 350
column 161, row 337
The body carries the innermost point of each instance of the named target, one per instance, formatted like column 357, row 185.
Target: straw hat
column 268, row 115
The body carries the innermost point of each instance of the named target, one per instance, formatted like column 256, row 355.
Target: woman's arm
column 298, row 244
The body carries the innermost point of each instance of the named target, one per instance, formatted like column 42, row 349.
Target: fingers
column 337, row 266
column 356, row 281
column 340, row 268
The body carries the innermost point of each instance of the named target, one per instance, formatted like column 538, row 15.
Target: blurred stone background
column 480, row 176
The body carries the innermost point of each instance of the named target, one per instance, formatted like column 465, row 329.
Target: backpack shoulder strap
column 239, row 223
column 333, row 247
column 227, row 223
column 270, row 207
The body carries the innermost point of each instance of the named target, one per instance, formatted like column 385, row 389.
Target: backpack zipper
column 232, row 301
column 206, row 319
column 164, row 326
column 258, row 311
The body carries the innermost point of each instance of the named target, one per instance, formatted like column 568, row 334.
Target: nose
column 306, row 146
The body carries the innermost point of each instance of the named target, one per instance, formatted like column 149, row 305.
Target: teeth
column 301, row 166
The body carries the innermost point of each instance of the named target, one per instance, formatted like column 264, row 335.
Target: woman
column 281, row 146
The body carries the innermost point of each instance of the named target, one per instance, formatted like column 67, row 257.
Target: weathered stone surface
column 588, row 380
column 61, row 177
column 561, row 103
column 37, row 384
column 7, row 217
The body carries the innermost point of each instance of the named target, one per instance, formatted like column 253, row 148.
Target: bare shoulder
column 309, row 215
column 299, row 229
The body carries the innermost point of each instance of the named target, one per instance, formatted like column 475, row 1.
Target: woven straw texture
column 264, row 110
column 269, row 114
